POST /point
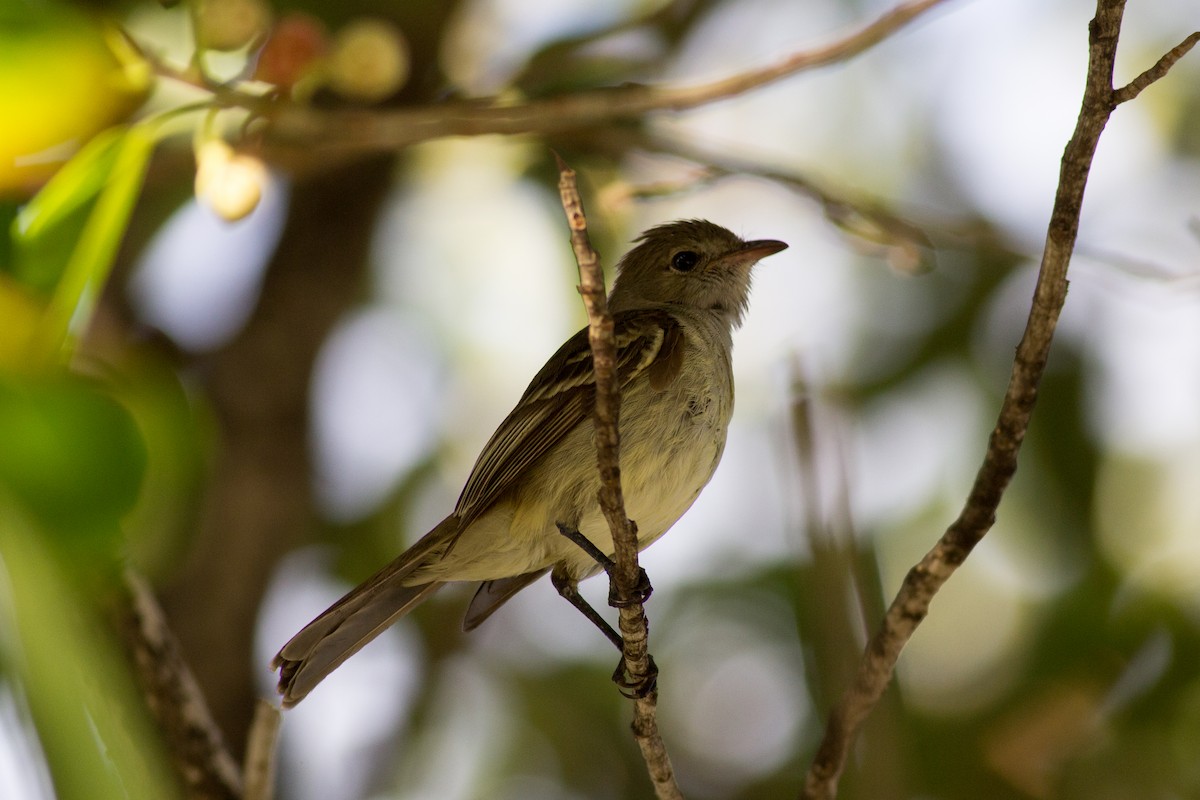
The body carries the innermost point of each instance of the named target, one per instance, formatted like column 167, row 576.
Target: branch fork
column 922, row 582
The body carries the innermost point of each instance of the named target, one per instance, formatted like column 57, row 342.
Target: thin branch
column 1160, row 68
column 193, row 740
column 1000, row 462
column 867, row 220
column 391, row 129
column 229, row 94
column 635, row 629
column 907, row 241
column 261, row 748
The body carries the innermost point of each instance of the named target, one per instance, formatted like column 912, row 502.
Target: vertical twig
column 259, row 773
column 624, row 578
column 1000, row 462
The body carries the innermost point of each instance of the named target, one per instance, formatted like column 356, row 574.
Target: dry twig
column 382, row 130
column 870, row 224
column 194, row 742
column 923, row 581
column 624, row 578
column 261, row 750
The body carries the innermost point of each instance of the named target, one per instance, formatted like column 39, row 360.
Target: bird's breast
column 672, row 439
column 671, row 442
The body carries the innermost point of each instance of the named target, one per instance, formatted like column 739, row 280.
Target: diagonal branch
column 868, row 221
column 374, row 130
column 634, row 627
column 1160, row 68
column 196, row 745
column 1000, row 462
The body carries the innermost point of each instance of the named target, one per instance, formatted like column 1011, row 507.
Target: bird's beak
column 751, row 252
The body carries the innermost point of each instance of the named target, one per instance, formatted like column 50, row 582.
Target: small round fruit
column 369, row 62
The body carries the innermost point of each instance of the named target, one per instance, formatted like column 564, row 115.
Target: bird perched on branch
column 677, row 297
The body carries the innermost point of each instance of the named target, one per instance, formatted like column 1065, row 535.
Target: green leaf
column 73, row 456
column 77, row 183
column 92, row 725
column 92, row 257
column 8, row 215
column 21, row 312
column 38, row 264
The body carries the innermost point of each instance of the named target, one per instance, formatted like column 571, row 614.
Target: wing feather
column 561, row 396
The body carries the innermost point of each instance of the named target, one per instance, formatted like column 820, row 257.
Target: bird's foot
column 636, row 687
column 637, row 596
column 640, row 592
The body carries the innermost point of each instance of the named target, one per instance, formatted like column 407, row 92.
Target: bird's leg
column 629, row 687
column 569, row 591
column 641, row 592
column 585, row 544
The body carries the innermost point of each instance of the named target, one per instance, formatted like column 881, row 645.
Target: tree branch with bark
column 295, row 126
column 624, row 578
column 923, row 581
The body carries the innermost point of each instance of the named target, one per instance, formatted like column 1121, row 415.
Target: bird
column 677, row 297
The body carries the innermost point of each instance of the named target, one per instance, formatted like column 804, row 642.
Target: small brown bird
column 677, row 297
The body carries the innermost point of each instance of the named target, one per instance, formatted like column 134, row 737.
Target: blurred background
column 263, row 411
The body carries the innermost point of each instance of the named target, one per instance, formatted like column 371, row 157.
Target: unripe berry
column 230, row 24
column 369, row 62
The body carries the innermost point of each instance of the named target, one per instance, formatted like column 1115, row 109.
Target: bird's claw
column 637, row 596
column 633, row 687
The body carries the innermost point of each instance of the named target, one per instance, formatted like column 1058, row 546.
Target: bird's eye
column 685, row 261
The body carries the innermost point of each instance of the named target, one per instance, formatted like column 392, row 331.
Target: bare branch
column 635, row 630
column 376, row 130
column 193, row 740
column 1160, row 68
column 867, row 221
column 923, row 581
column 259, row 773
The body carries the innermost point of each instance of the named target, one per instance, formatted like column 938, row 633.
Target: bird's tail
column 366, row 611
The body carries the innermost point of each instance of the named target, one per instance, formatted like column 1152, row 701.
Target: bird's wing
column 562, row 395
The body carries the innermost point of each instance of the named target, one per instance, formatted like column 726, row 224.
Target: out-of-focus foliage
column 64, row 76
column 72, row 455
column 94, row 730
column 147, row 323
column 65, row 239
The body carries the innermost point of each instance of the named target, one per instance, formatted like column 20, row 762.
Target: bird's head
column 692, row 263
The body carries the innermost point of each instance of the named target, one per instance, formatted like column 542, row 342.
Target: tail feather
column 357, row 618
column 493, row 594
column 298, row 677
